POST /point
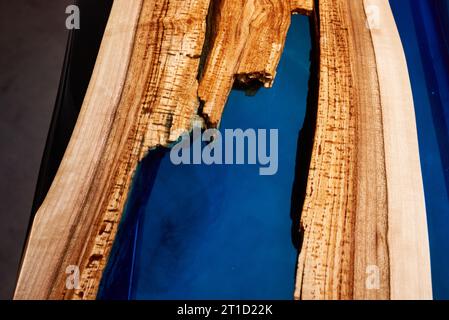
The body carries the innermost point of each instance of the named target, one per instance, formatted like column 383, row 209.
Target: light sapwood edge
column 408, row 242
column 257, row 38
column 35, row 279
column 143, row 94
column 364, row 211
column 51, row 231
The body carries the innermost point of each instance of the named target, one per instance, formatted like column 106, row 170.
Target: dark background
column 33, row 40
column 45, row 74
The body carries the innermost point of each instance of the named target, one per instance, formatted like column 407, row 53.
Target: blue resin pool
column 194, row 232
column 220, row 231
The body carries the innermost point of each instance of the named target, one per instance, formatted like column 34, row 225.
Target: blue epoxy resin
column 424, row 30
column 219, row 231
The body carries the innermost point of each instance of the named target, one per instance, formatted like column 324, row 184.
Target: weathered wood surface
column 247, row 40
column 364, row 220
column 143, row 94
column 162, row 64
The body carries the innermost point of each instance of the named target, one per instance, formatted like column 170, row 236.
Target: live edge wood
column 144, row 93
column 246, row 46
column 364, row 213
column 163, row 64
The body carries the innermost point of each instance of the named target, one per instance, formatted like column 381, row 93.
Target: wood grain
column 408, row 243
column 360, row 219
column 165, row 63
column 247, row 41
column 304, row 7
column 53, row 233
column 143, row 93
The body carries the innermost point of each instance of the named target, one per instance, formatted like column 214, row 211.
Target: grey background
column 33, row 38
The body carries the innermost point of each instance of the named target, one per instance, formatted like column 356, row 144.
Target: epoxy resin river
column 219, row 231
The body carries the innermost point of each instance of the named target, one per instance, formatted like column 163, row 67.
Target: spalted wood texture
column 143, row 94
column 165, row 63
column 247, row 38
column 363, row 221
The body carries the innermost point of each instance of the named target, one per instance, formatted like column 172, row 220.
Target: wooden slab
column 246, row 44
column 364, row 219
column 143, row 94
column 163, row 64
